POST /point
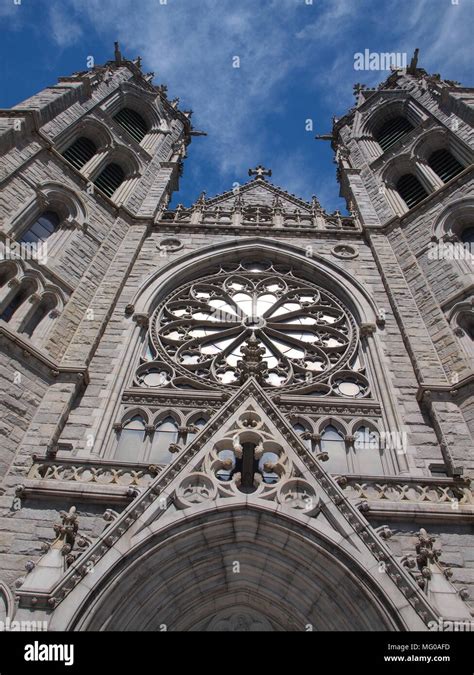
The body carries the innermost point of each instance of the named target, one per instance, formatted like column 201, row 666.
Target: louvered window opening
column 392, row 131
column 411, row 190
column 444, row 164
column 132, row 122
column 110, row 179
column 80, row 152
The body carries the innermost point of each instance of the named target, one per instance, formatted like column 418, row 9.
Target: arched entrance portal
column 244, row 569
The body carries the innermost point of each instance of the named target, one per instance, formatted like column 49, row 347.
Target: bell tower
column 404, row 155
column 87, row 164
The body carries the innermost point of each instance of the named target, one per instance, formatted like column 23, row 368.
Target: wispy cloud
column 296, row 61
column 65, row 29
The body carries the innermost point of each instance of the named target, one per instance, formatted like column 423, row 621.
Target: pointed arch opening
column 290, row 577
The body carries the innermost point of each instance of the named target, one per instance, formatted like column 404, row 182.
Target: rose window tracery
column 297, row 333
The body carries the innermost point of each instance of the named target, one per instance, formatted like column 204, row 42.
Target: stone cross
column 260, row 172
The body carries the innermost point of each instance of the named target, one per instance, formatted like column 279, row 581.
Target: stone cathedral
column 248, row 414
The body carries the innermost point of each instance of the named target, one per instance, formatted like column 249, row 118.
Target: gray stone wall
column 69, row 394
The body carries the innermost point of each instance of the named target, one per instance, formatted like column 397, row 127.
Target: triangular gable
column 259, row 192
column 330, row 512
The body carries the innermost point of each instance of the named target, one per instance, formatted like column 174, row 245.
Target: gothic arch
column 385, row 110
column 457, row 215
column 63, row 201
column 92, row 128
column 191, row 265
column 294, row 575
column 437, row 138
column 143, row 104
column 129, row 162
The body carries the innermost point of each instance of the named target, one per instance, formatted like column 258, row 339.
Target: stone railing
column 268, row 218
column 414, row 490
column 100, row 473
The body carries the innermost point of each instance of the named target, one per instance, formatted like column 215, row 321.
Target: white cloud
column 333, row 19
column 192, row 52
column 190, row 45
column 65, row 29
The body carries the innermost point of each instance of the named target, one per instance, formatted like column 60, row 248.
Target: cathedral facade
column 246, row 414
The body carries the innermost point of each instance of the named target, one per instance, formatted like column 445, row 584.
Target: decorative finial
column 260, row 172
column 414, row 61
column 358, row 87
column 117, row 54
column 315, row 204
column 252, row 363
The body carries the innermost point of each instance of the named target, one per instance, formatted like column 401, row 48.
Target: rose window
column 305, row 335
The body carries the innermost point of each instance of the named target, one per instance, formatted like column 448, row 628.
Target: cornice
column 42, row 359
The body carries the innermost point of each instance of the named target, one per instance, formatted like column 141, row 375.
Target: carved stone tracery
column 291, row 333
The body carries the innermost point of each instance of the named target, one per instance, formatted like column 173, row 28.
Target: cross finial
column 358, row 87
column 260, row 172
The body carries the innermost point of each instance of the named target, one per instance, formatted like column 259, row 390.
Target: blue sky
column 296, row 63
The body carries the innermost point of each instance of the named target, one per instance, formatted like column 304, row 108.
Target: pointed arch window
column 46, row 305
column 333, row 443
column 22, row 294
column 166, row 434
column 110, row 179
column 198, row 424
column 411, row 190
column 444, row 164
column 392, row 131
column 7, row 272
column 368, row 452
column 304, row 433
column 133, row 123
column 43, row 227
column 80, row 152
column 131, row 439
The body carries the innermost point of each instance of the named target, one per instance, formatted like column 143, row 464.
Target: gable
column 259, row 192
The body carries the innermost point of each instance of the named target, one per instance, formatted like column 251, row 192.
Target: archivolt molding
column 129, row 161
column 190, row 266
column 91, row 127
column 457, row 215
column 385, row 106
column 258, row 534
column 142, row 102
column 56, row 197
column 41, row 287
